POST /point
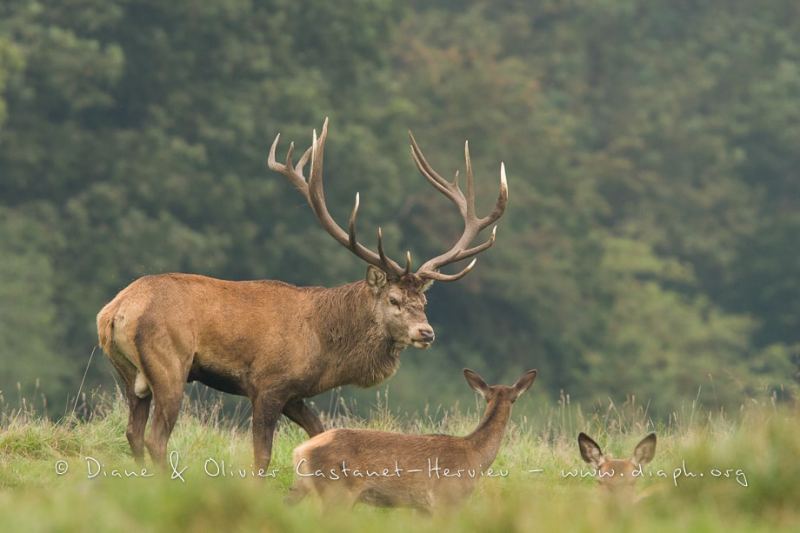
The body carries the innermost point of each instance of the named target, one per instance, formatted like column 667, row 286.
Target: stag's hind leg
column 167, row 390
column 165, row 371
column 139, row 410
column 138, row 402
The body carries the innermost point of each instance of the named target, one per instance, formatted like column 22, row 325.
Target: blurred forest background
column 650, row 247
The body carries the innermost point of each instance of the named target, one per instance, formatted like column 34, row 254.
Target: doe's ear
column 376, row 278
column 590, row 450
column 645, row 450
column 476, row 382
column 524, row 382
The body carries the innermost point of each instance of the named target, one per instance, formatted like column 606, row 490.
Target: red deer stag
column 273, row 342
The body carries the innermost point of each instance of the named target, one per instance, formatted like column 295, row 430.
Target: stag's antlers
column 466, row 206
column 313, row 191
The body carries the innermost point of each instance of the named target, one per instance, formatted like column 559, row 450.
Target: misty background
column 650, row 246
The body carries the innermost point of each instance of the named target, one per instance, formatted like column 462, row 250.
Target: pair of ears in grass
column 643, row 453
column 488, row 391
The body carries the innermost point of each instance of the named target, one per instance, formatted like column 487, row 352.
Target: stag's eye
column 394, row 301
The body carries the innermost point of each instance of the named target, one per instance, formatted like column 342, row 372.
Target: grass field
column 761, row 442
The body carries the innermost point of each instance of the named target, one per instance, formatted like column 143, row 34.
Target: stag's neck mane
column 487, row 437
column 360, row 348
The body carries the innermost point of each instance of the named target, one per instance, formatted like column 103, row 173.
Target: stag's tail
column 105, row 325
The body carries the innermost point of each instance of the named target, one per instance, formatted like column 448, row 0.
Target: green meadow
column 712, row 472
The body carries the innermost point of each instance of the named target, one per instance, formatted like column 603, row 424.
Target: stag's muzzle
column 423, row 337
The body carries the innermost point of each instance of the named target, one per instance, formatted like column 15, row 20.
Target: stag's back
column 215, row 321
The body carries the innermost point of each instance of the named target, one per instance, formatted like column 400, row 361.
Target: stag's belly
column 247, row 362
column 218, row 379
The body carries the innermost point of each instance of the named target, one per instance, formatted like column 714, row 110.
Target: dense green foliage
column 651, row 243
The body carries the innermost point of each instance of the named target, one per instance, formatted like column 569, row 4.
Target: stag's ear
column 645, row 450
column 476, row 382
column 376, row 278
column 524, row 383
column 426, row 285
column 590, row 451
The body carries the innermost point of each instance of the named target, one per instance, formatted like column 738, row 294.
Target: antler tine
column 271, row 157
column 475, row 250
column 502, row 199
column 294, row 175
column 351, row 226
column 289, row 153
column 314, row 193
column 381, row 255
column 303, row 160
column 318, row 153
column 438, row 276
column 470, row 182
column 425, row 167
column 449, row 189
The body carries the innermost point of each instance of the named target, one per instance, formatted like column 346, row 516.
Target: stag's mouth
column 422, row 345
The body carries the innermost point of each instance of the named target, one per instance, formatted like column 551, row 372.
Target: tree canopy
column 650, row 247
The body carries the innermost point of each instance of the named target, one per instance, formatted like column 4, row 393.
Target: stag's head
column 399, row 305
column 398, row 291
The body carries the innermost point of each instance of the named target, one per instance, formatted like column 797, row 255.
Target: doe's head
column 617, row 473
column 502, row 393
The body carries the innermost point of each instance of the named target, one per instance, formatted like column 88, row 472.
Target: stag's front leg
column 266, row 412
column 301, row 414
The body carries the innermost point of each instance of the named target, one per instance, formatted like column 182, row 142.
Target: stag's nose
column 426, row 334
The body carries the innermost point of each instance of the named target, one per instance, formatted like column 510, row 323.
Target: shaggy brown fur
column 270, row 341
column 346, row 466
